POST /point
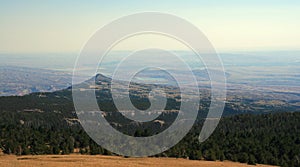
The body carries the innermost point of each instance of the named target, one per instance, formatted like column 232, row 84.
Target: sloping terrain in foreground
column 108, row 161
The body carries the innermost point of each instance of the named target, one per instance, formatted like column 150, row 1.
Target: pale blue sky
column 56, row 26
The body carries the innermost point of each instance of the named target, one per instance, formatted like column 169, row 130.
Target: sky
column 56, row 26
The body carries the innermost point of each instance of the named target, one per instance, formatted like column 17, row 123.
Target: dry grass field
column 106, row 161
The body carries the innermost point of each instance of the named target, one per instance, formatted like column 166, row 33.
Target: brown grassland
column 106, row 161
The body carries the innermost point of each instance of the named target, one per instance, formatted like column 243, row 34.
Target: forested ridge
column 46, row 123
column 266, row 139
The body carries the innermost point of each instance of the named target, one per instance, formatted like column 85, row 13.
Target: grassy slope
column 107, row 161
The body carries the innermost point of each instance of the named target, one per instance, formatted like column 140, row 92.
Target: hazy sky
column 64, row 26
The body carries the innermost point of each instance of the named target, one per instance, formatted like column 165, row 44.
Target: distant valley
column 24, row 80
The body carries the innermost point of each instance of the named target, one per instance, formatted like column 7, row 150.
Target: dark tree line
column 37, row 124
column 265, row 139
